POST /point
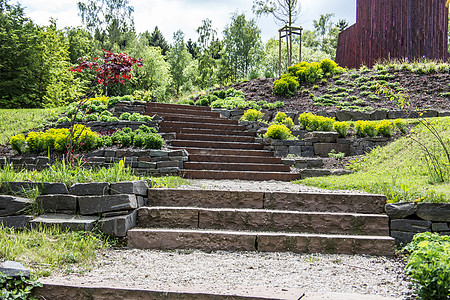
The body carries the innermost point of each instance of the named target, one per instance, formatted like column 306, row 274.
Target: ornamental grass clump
column 341, row 128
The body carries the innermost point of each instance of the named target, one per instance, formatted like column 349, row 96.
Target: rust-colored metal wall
column 387, row 29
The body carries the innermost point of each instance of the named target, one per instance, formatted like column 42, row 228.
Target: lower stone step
column 263, row 220
column 234, row 159
column 234, row 152
column 206, row 131
column 216, row 144
column 236, row 166
column 216, row 240
column 241, row 175
column 219, row 138
column 65, row 222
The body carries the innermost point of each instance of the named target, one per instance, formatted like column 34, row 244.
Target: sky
column 187, row 15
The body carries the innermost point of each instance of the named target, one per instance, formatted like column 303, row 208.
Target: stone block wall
column 110, row 206
column 342, row 115
column 311, row 144
column 408, row 219
column 129, row 106
column 143, row 162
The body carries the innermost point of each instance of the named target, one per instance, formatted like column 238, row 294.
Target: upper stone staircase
column 218, row 148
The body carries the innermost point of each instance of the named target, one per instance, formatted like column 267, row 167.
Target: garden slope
column 427, row 91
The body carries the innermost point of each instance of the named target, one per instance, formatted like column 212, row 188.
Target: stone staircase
column 218, row 148
column 303, row 222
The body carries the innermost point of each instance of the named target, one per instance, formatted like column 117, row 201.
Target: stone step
column 198, row 119
column 181, row 111
column 216, row 144
column 202, row 131
column 169, row 106
column 236, row 166
column 263, row 220
column 211, row 137
column 225, row 240
column 234, row 159
column 294, row 201
column 241, row 175
column 65, row 221
column 232, row 152
column 216, row 126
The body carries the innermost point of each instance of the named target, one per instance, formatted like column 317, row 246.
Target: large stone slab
column 205, row 198
column 163, row 217
column 323, row 136
column 402, row 237
column 438, row 212
column 323, row 149
column 131, row 187
column 336, row 244
column 411, row 225
column 58, row 203
column 10, row 205
column 16, row 222
column 400, row 210
column 91, row 188
column 282, row 221
column 325, row 202
column 118, row 226
column 90, row 205
column 24, row 187
column 168, row 239
column 13, row 269
column 64, row 221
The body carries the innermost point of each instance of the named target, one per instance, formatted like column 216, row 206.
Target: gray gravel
column 243, row 185
column 224, row 271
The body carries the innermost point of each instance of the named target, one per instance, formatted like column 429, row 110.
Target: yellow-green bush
column 18, row 143
column 401, row 125
column 279, row 117
column 278, row 131
column 287, row 85
column 252, row 115
column 311, row 122
column 385, row 128
column 341, row 128
column 288, row 122
column 53, row 139
column 366, row 128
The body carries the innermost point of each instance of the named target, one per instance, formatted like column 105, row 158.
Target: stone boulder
column 11, row 205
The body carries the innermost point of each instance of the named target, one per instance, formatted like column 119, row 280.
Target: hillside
column 428, row 88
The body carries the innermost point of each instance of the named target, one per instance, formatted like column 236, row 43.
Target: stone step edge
column 270, row 154
column 228, row 240
column 221, row 142
column 173, row 105
column 216, row 135
column 263, row 210
column 233, row 164
column 59, row 289
column 185, row 123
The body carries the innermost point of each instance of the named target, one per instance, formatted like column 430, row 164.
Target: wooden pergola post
column 287, row 32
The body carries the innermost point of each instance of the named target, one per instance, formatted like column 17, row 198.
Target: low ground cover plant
column 429, row 265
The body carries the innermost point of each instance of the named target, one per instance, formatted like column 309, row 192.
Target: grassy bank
column 399, row 170
column 15, row 121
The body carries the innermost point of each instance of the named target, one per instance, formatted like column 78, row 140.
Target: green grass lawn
column 398, row 170
column 15, row 121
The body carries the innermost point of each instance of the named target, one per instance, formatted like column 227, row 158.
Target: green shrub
column 312, row 122
column 125, row 116
column 288, row 122
column 429, row 265
column 278, row 131
column 252, row 115
column 127, row 98
column 206, row 100
column 274, row 105
column 147, row 129
column 280, row 116
column 328, row 66
column 104, row 118
column 135, row 117
column 287, row 85
column 384, row 128
column 18, row 143
column 153, row 141
column 341, row 128
column 91, row 117
column 366, row 128
column 235, row 102
column 63, row 120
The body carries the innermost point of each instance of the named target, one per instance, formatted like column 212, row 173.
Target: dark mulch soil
column 424, row 90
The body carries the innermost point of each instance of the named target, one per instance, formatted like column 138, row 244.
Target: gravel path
column 221, row 272
column 258, row 186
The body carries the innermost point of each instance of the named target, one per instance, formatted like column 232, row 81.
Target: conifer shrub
column 278, row 131
column 252, row 115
